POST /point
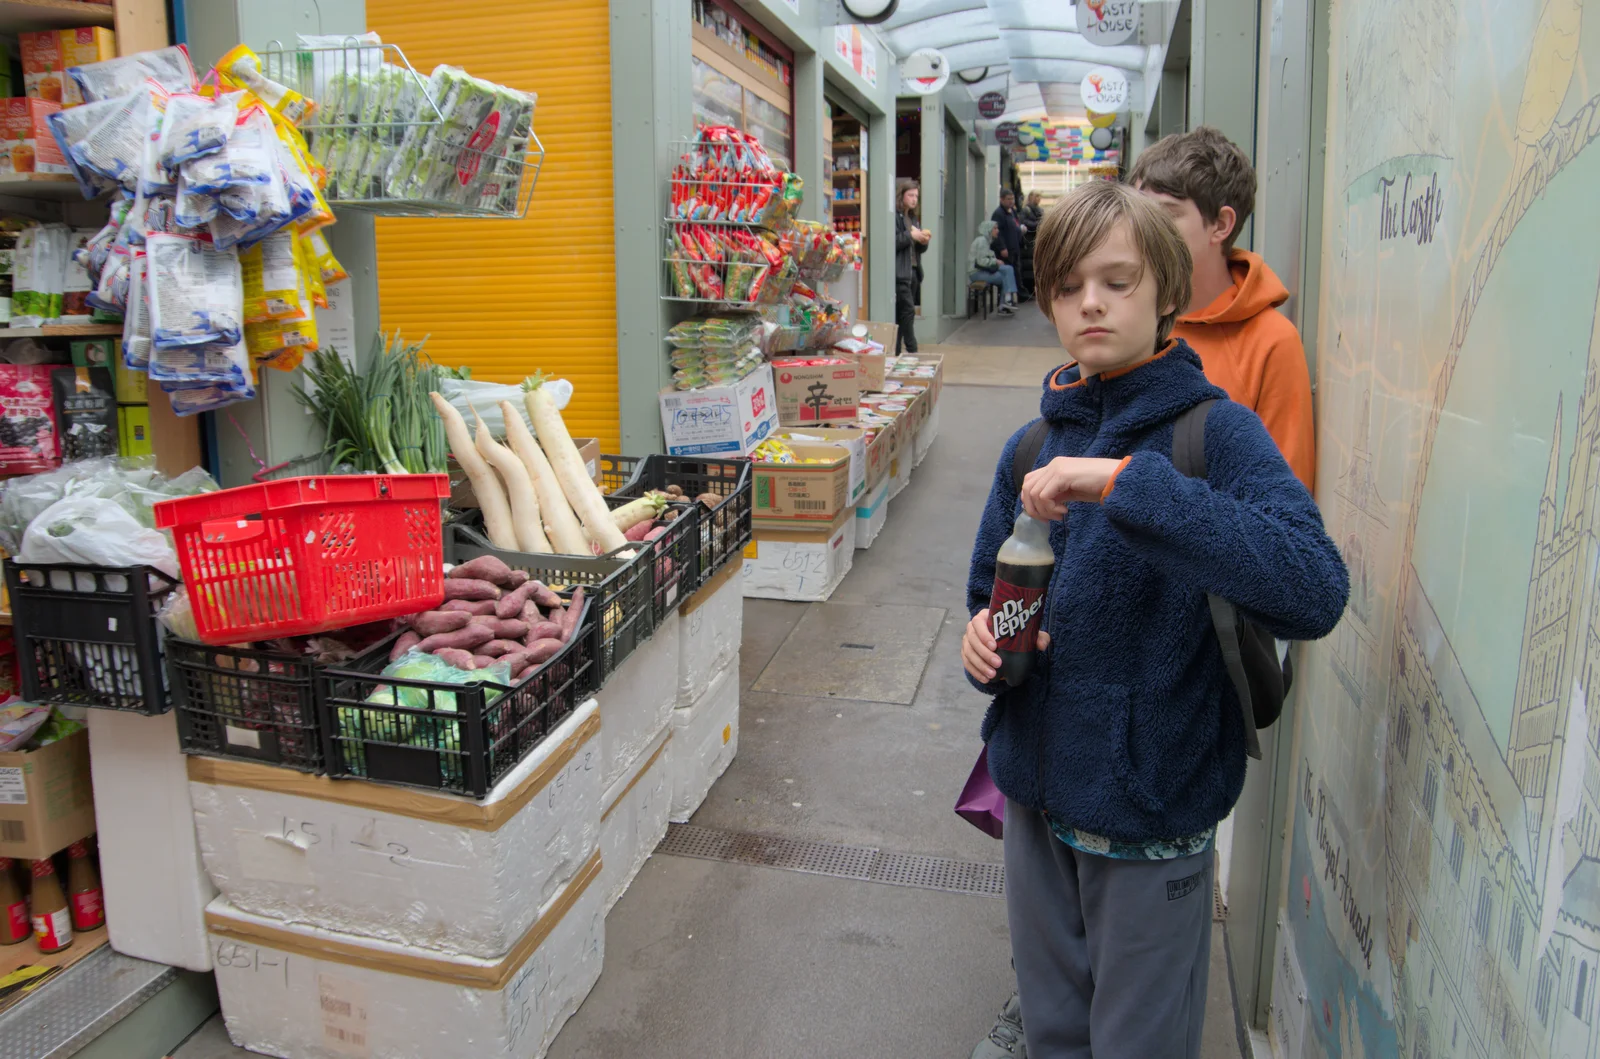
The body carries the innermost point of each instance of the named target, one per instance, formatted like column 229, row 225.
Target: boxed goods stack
column 804, row 526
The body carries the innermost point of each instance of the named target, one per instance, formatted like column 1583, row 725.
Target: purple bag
column 981, row 804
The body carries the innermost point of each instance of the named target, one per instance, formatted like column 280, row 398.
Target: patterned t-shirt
column 1157, row 849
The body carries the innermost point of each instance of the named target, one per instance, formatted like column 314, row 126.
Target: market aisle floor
column 713, row 960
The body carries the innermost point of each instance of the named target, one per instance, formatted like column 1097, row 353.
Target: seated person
column 990, row 269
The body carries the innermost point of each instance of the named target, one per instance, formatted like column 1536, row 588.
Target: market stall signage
column 991, row 105
column 1005, row 133
column 1104, row 90
column 858, row 52
column 925, row 71
column 1108, row 22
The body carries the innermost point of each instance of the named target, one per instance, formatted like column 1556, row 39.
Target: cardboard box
column 803, row 492
column 817, row 391
column 46, row 798
column 47, row 54
column 848, row 438
column 886, row 335
column 28, row 146
column 133, row 424
column 805, row 563
column 870, row 357
column 720, row 420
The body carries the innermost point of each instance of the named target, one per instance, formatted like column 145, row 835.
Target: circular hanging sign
column 925, row 71
column 1100, row 139
column 991, row 105
column 1005, row 133
column 1105, row 90
column 1108, row 22
column 1102, row 121
column 1025, row 136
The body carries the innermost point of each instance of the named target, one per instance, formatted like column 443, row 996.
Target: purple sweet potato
column 637, row 531
column 569, row 617
column 433, row 622
column 469, row 606
column 503, row 628
column 546, row 598
column 469, row 588
column 517, row 579
column 496, row 648
column 544, row 630
column 407, row 641
column 488, row 568
column 485, row 661
column 541, row 650
column 457, row 657
column 466, row 638
column 510, row 605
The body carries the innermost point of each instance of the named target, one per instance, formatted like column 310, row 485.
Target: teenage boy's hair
column 1080, row 222
column 1204, row 167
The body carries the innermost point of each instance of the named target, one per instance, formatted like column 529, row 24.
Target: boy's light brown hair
column 1204, row 167
column 1080, row 222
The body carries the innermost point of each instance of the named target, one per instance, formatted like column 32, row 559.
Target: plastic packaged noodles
column 212, row 254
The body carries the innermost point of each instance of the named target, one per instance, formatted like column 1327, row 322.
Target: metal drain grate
column 839, row 861
column 1219, row 911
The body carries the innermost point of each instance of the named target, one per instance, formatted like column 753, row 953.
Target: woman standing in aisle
column 910, row 243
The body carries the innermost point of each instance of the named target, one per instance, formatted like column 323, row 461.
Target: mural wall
column 1444, row 875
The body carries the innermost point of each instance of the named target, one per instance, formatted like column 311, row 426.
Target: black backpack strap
column 1028, row 450
column 1189, row 457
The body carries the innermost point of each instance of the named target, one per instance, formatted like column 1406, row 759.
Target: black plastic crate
column 621, row 589
column 674, row 557
column 724, row 529
column 618, row 472
column 462, row 738
column 249, row 703
column 87, row 636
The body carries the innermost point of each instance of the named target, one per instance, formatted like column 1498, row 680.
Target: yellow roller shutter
column 510, row 297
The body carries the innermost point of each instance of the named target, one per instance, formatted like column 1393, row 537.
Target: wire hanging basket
column 396, row 143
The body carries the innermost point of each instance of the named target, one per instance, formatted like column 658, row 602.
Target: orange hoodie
column 1254, row 353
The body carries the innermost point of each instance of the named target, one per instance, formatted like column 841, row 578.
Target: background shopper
column 990, row 269
column 910, row 243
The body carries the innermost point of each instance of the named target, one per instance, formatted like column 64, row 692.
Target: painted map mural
column 1444, row 864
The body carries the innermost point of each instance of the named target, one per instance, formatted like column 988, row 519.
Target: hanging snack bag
column 194, row 126
column 241, row 68
column 86, row 412
column 271, row 281
column 70, row 128
column 136, row 342
column 168, row 67
column 28, row 442
column 195, row 293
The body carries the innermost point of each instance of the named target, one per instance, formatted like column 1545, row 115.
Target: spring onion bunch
column 381, row 421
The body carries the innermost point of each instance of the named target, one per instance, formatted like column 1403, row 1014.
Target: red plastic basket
column 305, row 555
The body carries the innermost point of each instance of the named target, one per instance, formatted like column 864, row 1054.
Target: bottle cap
column 44, row 867
column 78, row 849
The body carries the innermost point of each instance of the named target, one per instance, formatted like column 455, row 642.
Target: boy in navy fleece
column 1125, row 747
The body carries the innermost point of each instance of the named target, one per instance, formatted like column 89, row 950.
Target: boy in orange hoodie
column 1207, row 185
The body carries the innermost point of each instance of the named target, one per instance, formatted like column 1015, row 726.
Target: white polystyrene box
column 807, row 570
column 712, row 626
column 307, row 993
column 156, row 888
column 902, row 470
column 635, row 819
column 925, row 436
column 638, row 699
column 871, row 514
column 425, row 869
column 705, row 738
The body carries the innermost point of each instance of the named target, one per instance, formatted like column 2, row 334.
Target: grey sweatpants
column 1111, row 955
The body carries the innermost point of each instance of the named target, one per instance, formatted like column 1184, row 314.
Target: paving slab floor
column 708, row 959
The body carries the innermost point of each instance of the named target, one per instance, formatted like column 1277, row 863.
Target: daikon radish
column 491, row 498
column 646, row 508
column 569, row 468
column 519, row 491
column 566, row 536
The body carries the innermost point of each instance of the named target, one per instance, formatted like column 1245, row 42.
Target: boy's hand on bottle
column 1047, row 491
column 978, row 648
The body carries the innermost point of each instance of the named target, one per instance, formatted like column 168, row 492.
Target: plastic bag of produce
column 168, row 67
column 195, row 293
column 95, row 531
column 470, row 396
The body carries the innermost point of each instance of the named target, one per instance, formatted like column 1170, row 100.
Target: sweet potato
column 490, row 568
column 546, row 598
column 570, row 616
column 503, row 628
column 496, row 648
column 517, row 579
column 469, row 588
column 469, row 606
column 510, row 604
column 637, row 531
column 485, row 661
column 541, row 650
column 531, row 612
column 469, row 637
column 433, row 622
column 457, row 657
column 407, row 641
column 544, row 630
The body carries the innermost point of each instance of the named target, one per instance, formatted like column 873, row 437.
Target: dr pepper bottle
column 1022, row 572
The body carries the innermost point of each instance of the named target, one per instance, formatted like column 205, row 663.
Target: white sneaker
column 1006, row 309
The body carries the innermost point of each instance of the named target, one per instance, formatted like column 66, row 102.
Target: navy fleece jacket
column 1129, row 727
